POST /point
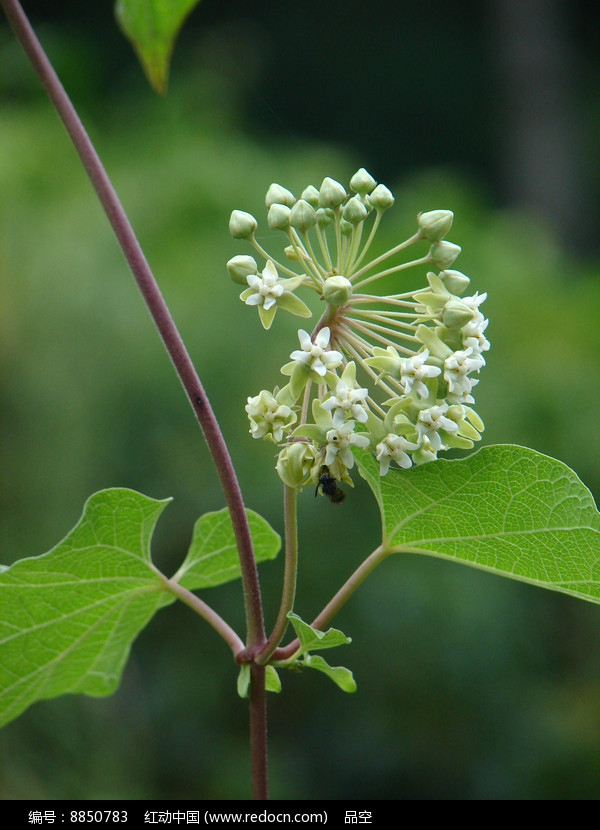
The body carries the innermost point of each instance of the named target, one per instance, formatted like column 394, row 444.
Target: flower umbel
column 419, row 352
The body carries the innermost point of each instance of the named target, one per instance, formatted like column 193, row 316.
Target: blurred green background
column 470, row 686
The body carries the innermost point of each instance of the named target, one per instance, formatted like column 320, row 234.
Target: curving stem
column 177, row 352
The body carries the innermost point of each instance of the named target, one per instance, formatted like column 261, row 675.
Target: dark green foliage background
column 469, row 686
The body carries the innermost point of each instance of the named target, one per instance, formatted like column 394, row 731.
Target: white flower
column 339, row 441
column 475, row 301
column 267, row 286
column 315, row 354
column 458, row 366
column 346, row 402
column 268, row 417
column 472, row 334
column 393, row 448
column 430, row 421
column 412, row 372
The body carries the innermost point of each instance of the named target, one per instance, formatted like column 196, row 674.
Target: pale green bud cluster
column 419, row 352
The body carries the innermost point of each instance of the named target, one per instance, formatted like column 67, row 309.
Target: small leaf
column 243, row 681
column 68, row 617
column 340, row 675
column 311, row 639
column 213, row 558
column 152, row 26
column 272, row 681
column 505, row 509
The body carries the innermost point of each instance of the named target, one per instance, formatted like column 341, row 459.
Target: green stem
column 387, row 254
column 206, row 612
column 340, row 598
column 289, row 577
column 181, row 362
column 402, row 267
column 367, row 244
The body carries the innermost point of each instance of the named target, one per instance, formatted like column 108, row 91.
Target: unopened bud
column 354, row 211
column 456, row 314
column 454, row 281
column 278, row 217
column 278, row 195
column 331, row 194
column 295, row 463
column 337, row 290
column 303, row 216
column 442, row 254
column 362, row 182
column 239, row 267
column 435, row 224
column 324, row 217
column 381, row 198
column 310, row 194
column 241, row 224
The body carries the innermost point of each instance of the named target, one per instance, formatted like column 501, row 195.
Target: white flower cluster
column 419, row 352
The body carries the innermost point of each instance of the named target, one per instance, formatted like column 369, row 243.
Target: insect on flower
column 329, row 486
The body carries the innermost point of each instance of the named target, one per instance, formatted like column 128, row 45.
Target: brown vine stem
column 175, row 347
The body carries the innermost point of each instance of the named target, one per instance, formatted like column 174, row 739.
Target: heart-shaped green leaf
column 213, row 558
column 68, row 617
column 505, row 509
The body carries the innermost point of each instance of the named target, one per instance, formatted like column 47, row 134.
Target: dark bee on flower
column 329, row 486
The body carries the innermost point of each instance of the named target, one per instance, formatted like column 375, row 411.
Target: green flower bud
column 455, row 282
column 241, row 224
column 290, row 252
column 435, row 224
column 345, row 227
column 295, row 463
column 303, row 216
column 324, row 217
column 337, row 290
column 381, row 198
column 239, row 267
column 362, row 182
column 278, row 217
column 310, row 194
column 278, row 195
column 443, row 254
column 456, row 314
column 354, row 211
column 331, row 194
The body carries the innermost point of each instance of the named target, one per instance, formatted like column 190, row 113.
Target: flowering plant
column 383, row 383
column 419, row 352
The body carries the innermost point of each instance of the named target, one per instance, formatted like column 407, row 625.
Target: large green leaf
column 152, row 26
column 68, row 617
column 213, row 559
column 505, row 509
